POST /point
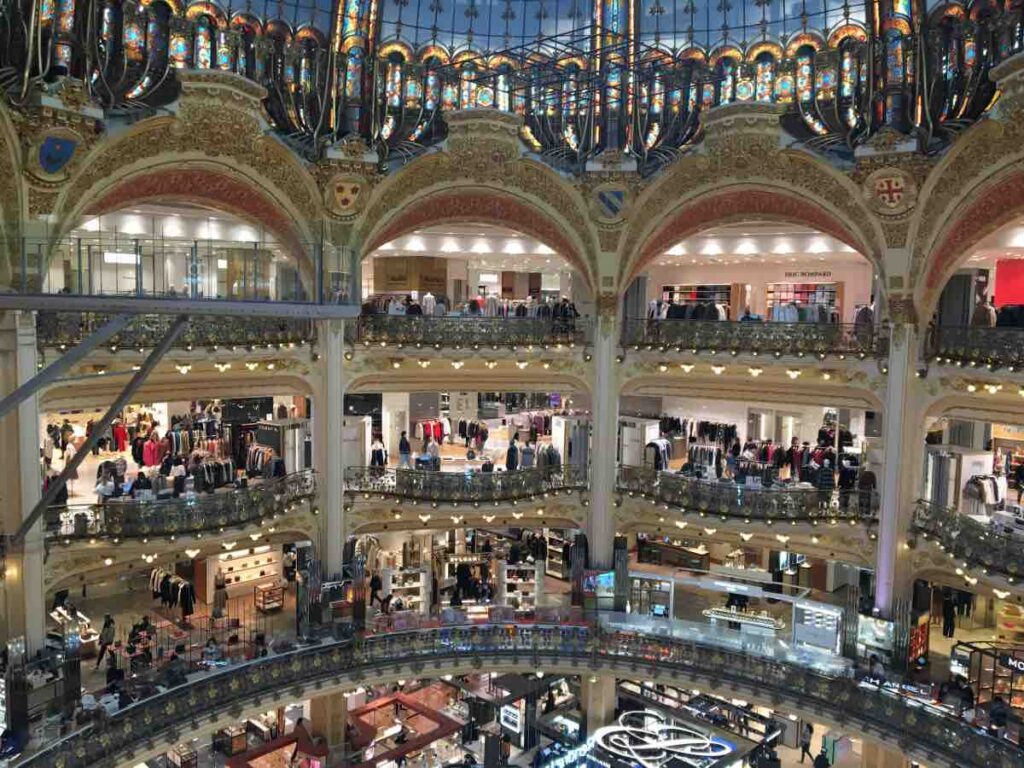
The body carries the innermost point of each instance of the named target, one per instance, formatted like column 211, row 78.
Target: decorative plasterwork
column 11, row 204
column 742, row 173
column 481, row 177
column 219, row 141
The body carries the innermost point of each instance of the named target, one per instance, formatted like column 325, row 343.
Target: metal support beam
column 52, row 372
column 145, row 305
column 104, row 424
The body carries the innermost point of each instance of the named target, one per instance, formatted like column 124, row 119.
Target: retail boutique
column 759, row 444
column 471, row 271
column 465, row 574
column 468, row 431
column 160, row 451
column 789, row 275
column 977, row 468
column 179, row 250
column 989, row 290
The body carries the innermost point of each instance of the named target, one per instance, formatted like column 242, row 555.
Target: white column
column 598, row 696
column 21, row 612
column 332, row 471
column 31, row 485
column 900, row 478
column 605, row 398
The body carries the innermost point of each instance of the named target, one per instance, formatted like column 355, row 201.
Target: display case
column 557, row 563
column 269, row 597
column 183, row 756
column 242, row 570
column 409, row 585
column 650, row 596
column 231, row 740
column 77, row 630
column 673, row 552
column 751, row 623
column 519, row 585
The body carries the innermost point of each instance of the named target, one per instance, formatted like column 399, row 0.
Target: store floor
column 129, row 607
column 453, row 454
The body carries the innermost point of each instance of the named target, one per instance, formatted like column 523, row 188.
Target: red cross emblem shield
column 889, row 191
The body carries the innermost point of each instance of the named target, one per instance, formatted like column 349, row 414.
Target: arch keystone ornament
column 890, row 191
column 345, row 194
column 611, row 202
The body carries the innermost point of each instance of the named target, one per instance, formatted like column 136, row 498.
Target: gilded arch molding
column 11, row 196
column 482, row 177
column 976, row 189
column 215, row 150
column 740, row 177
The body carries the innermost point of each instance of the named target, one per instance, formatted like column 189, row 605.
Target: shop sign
column 511, row 717
column 800, row 274
column 1011, row 662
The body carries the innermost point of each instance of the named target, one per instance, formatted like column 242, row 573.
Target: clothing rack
column 172, row 591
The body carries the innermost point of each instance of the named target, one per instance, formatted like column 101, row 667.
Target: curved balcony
column 131, row 519
column 467, row 332
column 619, row 645
column 462, row 487
column 726, row 499
column 969, row 541
column 61, row 330
column 756, row 338
column 978, row 346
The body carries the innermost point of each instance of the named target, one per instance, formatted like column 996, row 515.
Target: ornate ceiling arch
column 215, row 150
column 482, row 178
column 976, row 190
column 744, row 176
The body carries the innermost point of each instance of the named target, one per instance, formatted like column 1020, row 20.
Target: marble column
column 21, row 486
column 331, row 462
column 328, row 715
column 900, row 475
column 605, row 398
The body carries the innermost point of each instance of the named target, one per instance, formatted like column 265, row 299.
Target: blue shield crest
column 56, row 152
column 611, row 202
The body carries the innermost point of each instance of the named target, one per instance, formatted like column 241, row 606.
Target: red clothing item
column 120, row 437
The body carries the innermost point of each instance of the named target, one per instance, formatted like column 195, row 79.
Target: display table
column 677, row 556
column 755, row 623
column 230, row 740
column 746, row 573
column 269, row 596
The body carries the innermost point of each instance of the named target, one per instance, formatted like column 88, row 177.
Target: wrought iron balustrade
column 181, row 516
column 475, row 486
column 613, row 646
column 798, row 339
column 977, row 544
column 65, row 329
column 978, row 345
column 467, row 332
column 117, row 266
column 728, row 499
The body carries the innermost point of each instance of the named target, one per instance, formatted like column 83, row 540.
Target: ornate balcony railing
column 778, row 339
column 467, row 332
column 978, row 346
column 115, row 266
column 460, row 487
column 614, row 647
column 727, row 499
column 65, row 329
column 971, row 542
column 182, row 516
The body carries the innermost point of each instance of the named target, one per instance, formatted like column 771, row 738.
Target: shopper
column 404, row 452
column 434, row 452
column 806, row 734
column 876, row 668
column 375, row 587
column 106, row 638
column 984, row 314
column 512, row 455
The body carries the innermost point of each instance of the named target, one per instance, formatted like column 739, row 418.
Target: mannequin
column 428, row 303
